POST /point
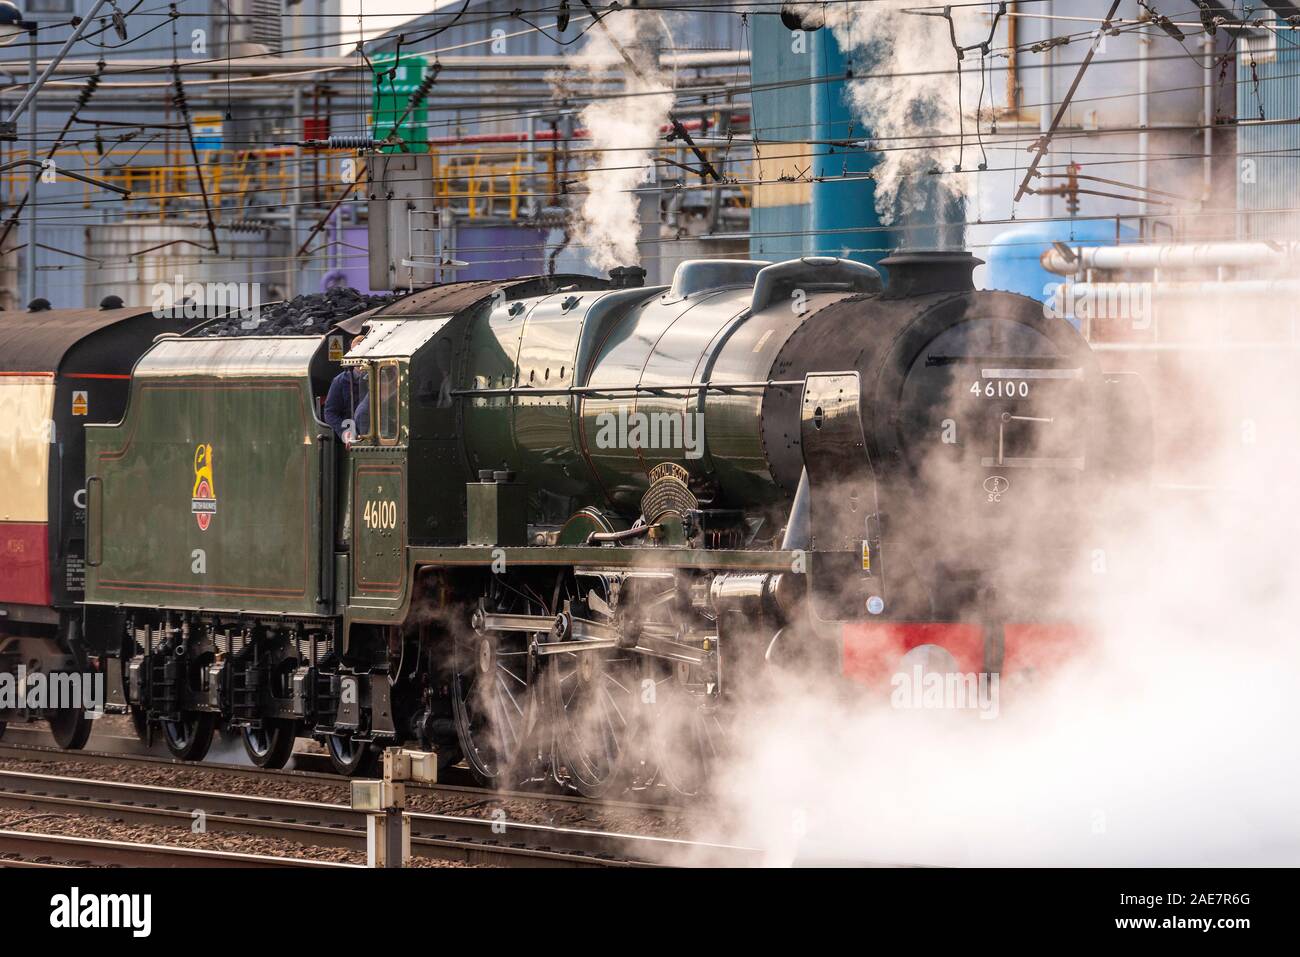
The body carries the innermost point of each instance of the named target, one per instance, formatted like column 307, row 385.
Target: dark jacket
column 362, row 416
column 346, row 392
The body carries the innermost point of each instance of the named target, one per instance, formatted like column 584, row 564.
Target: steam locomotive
column 586, row 519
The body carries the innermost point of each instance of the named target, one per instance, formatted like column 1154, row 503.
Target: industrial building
column 237, row 137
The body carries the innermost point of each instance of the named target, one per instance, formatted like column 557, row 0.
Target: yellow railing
column 487, row 180
column 235, row 181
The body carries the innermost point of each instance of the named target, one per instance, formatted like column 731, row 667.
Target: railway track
column 485, row 841
column 31, row 743
column 116, row 746
column 31, row 849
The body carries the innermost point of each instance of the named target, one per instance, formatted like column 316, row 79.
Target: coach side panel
column 26, row 424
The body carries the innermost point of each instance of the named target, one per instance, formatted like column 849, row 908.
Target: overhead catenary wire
column 194, row 195
column 83, row 99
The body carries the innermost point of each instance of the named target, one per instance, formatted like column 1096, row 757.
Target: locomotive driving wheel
column 689, row 731
column 686, row 727
column 594, row 706
column 493, row 686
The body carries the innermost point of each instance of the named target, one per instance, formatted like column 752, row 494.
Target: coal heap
column 301, row 316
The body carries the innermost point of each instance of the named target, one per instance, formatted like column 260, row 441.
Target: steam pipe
column 1162, row 290
column 1170, row 256
column 637, row 531
column 798, row 529
column 754, row 593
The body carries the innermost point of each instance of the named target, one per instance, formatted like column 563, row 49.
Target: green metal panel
column 381, row 498
column 683, row 354
column 490, row 357
column 675, row 341
column 424, row 346
column 394, row 82
column 563, row 446
column 733, row 421
column 543, row 425
column 620, row 470
column 537, row 345
column 379, row 512
column 221, row 459
column 651, row 559
column 497, row 513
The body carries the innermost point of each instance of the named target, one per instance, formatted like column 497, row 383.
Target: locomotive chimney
column 921, row 272
column 627, row 277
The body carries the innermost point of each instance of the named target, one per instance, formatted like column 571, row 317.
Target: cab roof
column 450, row 298
column 394, row 339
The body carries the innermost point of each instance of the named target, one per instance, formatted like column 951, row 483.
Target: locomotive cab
column 378, row 461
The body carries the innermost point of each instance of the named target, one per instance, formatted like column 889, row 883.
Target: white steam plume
column 621, row 135
column 909, row 103
column 1169, row 740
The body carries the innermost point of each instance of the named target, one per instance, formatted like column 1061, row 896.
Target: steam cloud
column 621, row 134
column 1168, row 740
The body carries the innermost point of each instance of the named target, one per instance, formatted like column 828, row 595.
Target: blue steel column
column 781, row 66
column 802, row 122
column 844, row 218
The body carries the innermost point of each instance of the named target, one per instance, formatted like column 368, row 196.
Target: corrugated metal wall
column 1268, row 161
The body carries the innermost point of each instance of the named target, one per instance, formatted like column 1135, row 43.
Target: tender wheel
column 271, row 745
column 353, row 759
column 70, row 727
column 190, row 738
column 493, row 703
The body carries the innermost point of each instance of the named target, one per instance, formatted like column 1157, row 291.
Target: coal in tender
column 308, row 315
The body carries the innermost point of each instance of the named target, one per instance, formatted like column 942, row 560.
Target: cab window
column 363, row 422
column 388, row 405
